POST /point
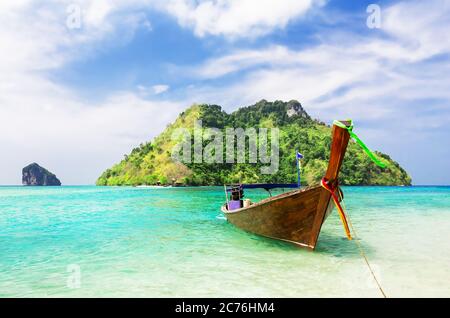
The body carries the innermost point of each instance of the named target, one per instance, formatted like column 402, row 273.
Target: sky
column 83, row 82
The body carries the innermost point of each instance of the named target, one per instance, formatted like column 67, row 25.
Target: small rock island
column 35, row 175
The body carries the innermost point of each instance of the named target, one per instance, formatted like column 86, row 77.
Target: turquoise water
column 173, row 242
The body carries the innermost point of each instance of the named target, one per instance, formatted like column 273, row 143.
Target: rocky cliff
column 35, row 175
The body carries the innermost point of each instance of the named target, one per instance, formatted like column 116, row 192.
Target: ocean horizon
column 175, row 242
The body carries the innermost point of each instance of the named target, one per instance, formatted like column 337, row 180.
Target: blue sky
column 77, row 99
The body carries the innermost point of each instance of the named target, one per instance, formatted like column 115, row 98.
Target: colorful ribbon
column 326, row 184
column 372, row 156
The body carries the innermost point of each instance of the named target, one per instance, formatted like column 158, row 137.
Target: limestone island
column 151, row 163
column 35, row 175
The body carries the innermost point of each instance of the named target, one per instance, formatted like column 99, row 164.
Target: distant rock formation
column 294, row 108
column 35, row 175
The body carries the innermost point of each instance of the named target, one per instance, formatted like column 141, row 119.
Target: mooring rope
column 361, row 249
column 332, row 189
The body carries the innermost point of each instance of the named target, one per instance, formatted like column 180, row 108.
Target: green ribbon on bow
column 374, row 158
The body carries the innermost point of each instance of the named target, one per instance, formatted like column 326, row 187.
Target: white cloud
column 236, row 18
column 336, row 72
column 46, row 122
column 243, row 59
column 159, row 89
column 75, row 139
column 375, row 79
column 146, row 91
column 422, row 26
column 395, row 79
column 97, row 12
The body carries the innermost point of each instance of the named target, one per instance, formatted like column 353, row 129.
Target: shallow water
column 174, row 242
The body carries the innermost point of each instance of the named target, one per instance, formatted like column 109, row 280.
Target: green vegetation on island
column 151, row 163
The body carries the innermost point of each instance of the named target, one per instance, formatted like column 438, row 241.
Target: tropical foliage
column 151, row 163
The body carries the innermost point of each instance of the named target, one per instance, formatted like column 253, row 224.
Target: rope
column 361, row 251
column 337, row 201
column 332, row 189
column 374, row 158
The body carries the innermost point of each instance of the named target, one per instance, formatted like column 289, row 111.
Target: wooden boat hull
column 296, row 216
column 289, row 217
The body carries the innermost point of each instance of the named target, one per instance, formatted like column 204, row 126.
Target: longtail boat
column 296, row 216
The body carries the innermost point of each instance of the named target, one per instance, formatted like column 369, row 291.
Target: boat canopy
column 265, row 186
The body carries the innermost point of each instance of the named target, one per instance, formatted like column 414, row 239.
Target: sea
column 88, row 241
